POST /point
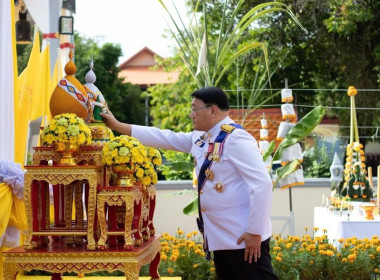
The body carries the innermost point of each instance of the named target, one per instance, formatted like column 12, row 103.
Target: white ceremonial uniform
column 245, row 203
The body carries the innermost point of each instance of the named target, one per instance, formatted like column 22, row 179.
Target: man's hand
column 109, row 119
column 114, row 124
column 252, row 246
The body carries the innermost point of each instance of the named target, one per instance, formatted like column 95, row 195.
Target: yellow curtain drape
column 12, row 213
column 6, row 201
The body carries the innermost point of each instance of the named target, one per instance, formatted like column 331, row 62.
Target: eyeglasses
column 200, row 108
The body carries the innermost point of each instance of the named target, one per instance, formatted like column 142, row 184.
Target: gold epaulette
column 227, row 128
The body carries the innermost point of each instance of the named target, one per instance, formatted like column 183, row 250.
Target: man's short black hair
column 212, row 96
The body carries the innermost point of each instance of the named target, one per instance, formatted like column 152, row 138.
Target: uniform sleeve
column 247, row 159
column 165, row 139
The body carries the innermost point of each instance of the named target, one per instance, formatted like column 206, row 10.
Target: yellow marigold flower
column 376, row 270
column 312, row 262
column 276, row 248
column 372, row 257
column 195, row 265
column 165, row 248
column 279, row 255
column 175, row 253
column 195, row 232
column 164, row 257
column 375, row 237
column 289, row 245
column 296, row 238
column 315, row 228
column 170, row 270
column 344, row 260
column 279, row 259
column 321, row 247
column 378, row 249
column 329, row 253
column 212, row 269
column 351, row 257
column 198, row 251
column 341, row 240
column 173, row 258
column 180, row 232
column 189, row 235
column 352, row 91
column 311, row 247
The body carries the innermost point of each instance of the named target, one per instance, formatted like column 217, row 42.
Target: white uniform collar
column 214, row 131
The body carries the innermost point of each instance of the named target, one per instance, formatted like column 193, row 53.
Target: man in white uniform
column 234, row 187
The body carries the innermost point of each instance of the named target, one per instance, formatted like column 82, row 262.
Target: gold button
column 203, row 210
column 201, row 192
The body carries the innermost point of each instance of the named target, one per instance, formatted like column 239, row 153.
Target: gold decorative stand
column 35, row 179
column 58, row 258
column 75, row 245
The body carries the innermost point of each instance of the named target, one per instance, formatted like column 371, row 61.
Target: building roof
column 139, row 70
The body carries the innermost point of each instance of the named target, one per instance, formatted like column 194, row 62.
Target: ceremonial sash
column 216, row 147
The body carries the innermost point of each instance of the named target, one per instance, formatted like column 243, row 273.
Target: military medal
column 217, row 151
column 219, row 187
column 209, row 174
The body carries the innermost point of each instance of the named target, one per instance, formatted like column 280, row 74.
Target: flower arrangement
column 154, row 156
column 145, row 174
column 355, row 184
column 66, row 128
column 123, row 150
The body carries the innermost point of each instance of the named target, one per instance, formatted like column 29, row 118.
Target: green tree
column 341, row 48
column 169, row 108
column 124, row 99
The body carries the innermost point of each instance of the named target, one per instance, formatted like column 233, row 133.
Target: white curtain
column 6, row 81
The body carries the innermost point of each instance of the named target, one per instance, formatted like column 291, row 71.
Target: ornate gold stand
column 117, row 196
column 59, row 258
column 63, row 175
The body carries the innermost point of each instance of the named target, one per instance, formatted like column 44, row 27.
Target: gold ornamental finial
column 70, row 68
column 352, row 91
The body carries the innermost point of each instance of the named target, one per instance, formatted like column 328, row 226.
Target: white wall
column 169, row 217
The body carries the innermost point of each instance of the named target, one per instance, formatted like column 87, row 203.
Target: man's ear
column 214, row 110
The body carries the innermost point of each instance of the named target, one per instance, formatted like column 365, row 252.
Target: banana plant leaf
column 181, row 166
column 284, row 171
column 301, row 130
column 269, row 151
column 191, row 208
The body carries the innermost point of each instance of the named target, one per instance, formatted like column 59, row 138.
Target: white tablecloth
column 344, row 225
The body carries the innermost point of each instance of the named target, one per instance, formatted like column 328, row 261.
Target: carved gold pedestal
column 117, row 196
column 59, row 258
column 63, row 176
